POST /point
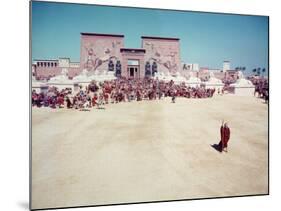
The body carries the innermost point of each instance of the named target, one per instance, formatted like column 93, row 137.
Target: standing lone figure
column 173, row 97
column 225, row 136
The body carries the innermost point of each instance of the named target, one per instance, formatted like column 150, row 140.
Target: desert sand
column 148, row 151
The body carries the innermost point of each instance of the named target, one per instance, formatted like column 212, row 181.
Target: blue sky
column 205, row 38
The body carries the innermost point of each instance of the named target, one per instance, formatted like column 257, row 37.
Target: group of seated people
column 116, row 91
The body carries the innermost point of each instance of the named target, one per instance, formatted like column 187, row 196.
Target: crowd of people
column 116, row 91
column 261, row 88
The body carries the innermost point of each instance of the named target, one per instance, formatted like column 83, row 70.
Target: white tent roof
column 242, row 82
column 214, row 81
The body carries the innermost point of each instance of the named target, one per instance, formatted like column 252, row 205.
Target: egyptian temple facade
column 100, row 53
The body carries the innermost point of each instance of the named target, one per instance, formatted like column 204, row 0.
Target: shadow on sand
column 101, row 108
column 216, row 147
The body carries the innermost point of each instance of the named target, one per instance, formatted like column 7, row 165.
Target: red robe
column 226, row 135
column 222, row 134
column 94, row 100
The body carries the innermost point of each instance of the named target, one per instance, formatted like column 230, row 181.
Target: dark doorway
column 132, row 70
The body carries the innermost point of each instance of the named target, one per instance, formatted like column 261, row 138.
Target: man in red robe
column 225, row 136
column 94, row 100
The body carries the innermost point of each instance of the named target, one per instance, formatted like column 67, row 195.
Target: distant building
column 204, row 73
column 190, row 67
column 226, row 66
column 46, row 68
column 100, row 53
column 232, row 74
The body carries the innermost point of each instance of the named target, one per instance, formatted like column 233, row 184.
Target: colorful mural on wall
column 98, row 49
column 164, row 51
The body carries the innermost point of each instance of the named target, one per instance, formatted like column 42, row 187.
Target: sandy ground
column 148, row 151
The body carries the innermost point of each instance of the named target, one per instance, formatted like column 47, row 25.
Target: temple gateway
column 103, row 53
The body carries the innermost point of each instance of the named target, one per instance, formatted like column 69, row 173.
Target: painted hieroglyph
column 96, row 52
column 165, row 53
